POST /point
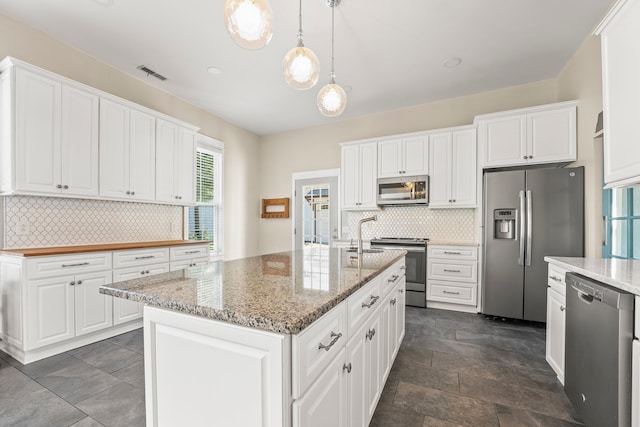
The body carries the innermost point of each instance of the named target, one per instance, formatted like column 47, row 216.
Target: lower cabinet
column 635, row 380
column 555, row 332
column 125, row 310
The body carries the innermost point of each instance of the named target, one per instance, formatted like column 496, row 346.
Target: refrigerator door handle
column 529, row 226
column 522, row 222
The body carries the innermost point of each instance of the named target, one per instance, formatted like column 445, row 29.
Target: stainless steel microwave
column 404, row 190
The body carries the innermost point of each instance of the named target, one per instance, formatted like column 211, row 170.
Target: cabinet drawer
column 51, row 266
column 457, row 293
column 181, row 253
column 363, row 303
column 392, row 276
column 315, row 347
column 465, row 253
column 140, row 257
column 555, row 279
column 452, row 270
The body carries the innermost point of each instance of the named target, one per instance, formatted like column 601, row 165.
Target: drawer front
column 466, row 253
column 181, row 253
column 51, row 266
column 363, row 303
column 130, row 273
column 140, row 257
column 451, row 270
column 315, row 347
column 457, row 293
column 555, row 279
column 392, row 276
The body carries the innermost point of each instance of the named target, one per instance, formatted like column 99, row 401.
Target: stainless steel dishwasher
column 599, row 332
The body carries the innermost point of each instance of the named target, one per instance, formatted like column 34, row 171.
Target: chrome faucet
column 363, row 220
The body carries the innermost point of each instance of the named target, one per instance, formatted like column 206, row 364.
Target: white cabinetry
column 556, row 305
column 543, row 134
column 620, row 38
column 175, row 173
column 188, row 256
column 452, row 277
column 635, row 366
column 404, row 156
column 452, row 158
column 359, row 175
column 127, row 152
column 50, row 138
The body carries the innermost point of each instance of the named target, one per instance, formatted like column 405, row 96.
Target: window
column 205, row 218
column 622, row 213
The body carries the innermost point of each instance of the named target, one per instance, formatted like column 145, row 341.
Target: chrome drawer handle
column 371, row 301
column 192, row 252
column 452, row 253
column 347, row 367
column 401, row 291
column 145, row 257
column 75, row 265
column 335, row 339
column 451, row 271
column 562, row 308
column 393, row 278
column 557, row 279
column 393, row 301
column 404, row 267
column 451, row 293
column 370, row 334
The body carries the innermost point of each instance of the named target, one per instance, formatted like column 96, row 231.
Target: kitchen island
column 298, row 338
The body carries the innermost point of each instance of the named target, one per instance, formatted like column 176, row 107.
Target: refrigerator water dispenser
column 504, row 224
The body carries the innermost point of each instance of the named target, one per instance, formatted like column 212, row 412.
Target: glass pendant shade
column 248, row 22
column 332, row 100
column 300, row 68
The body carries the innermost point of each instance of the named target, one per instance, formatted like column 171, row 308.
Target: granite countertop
column 620, row 273
column 283, row 292
column 69, row 250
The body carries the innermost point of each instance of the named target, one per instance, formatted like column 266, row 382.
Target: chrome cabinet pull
column 145, row 257
column 451, row 271
column 59, row 186
column 371, row 334
column 452, row 253
column 371, row 301
column 133, row 193
column 393, row 301
column 450, row 292
column 563, row 308
column 401, row 291
column 524, row 157
column 404, row 267
column 75, row 265
column 393, row 278
column 557, row 279
column 72, row 283
column 335, row 339
column 191, row 252
column 79, row 282
column 128, row 193
column 65, row 187
column 347, row 367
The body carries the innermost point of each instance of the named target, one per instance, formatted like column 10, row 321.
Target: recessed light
column 452, row 62
column 214, row 70
column 104, row 2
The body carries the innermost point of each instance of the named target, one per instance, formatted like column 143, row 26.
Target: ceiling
column 391, row 53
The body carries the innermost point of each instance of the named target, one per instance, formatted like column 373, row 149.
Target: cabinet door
column 635, row 382
column 79, row 142
column 350, row 171
column 356, row 379
column 555, row 332
column 125, row 310
column 552, row 136
column 37, row 133
column 387, row 342
column 400, row 320
column 93, row 310
column 114, row 149
column 463, row 168
column 50, row 311
column 372, row 364
column 166, row 162
column 504, row 141
column 142, row 156
column 416, row 155
column 186, row 171
column 390, row 156
column 392, row 331
column 440, row 169
column 368, row 175
column 325, row 403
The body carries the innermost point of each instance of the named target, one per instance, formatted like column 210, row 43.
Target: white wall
column 241, row 147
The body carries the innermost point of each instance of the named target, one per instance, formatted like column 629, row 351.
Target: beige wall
column 581, row 79
column 241, row 147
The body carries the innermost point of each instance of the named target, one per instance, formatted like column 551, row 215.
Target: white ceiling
column 390, row 52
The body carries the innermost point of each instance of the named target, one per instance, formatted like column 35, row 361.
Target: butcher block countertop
column 70, row 250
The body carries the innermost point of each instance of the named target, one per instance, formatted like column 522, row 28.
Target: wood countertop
column 70, row 250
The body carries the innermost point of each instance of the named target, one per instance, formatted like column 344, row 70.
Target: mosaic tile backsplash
column 50, row 221
column 414, row 221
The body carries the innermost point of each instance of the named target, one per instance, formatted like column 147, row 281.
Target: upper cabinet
column 452, row 164
column 61, row 138
column 127, row 152
column 49, row 140
column 175, row 173
column 405, row 156
column 359, row 175
column 620, row 38
column 544, row 134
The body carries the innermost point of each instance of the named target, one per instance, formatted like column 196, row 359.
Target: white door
column 350, row 172
column 463, row 168
column 186, row 160
column 50, row 311
column 440, row 169
column 372, row 364
column 390, row 158
column 416, row 155
column 355, row 373
column 79, row 142
column 400, row 320
column 125, row 310
column 93, row 310
column 552, row 135
column 166, row 162
column 316, row 212
column 387, row 340
column 114, row 149
column 142, row 155
column 504, row 141
column 37, row 133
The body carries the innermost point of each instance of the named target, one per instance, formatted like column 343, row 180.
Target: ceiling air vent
column 150, row 72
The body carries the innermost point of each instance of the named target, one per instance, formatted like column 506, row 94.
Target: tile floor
column 453, row 369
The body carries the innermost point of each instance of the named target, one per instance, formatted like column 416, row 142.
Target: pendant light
column 332, row 99
column 248, row 22
column 300, row 65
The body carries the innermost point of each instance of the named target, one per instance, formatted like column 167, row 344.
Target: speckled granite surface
column 283, row 292
column 620, row 273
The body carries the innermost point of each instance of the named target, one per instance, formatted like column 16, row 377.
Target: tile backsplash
column 414, row 221
column 50, row 221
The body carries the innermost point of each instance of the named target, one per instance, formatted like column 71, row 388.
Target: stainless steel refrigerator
column 528, row 214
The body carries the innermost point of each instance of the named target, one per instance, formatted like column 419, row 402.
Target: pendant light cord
column 333, row 9
column 300, row 44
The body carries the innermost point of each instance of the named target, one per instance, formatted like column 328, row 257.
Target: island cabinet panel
column 202, row 372
column 362, row 304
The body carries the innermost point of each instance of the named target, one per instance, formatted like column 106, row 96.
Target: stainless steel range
column 416, row 262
